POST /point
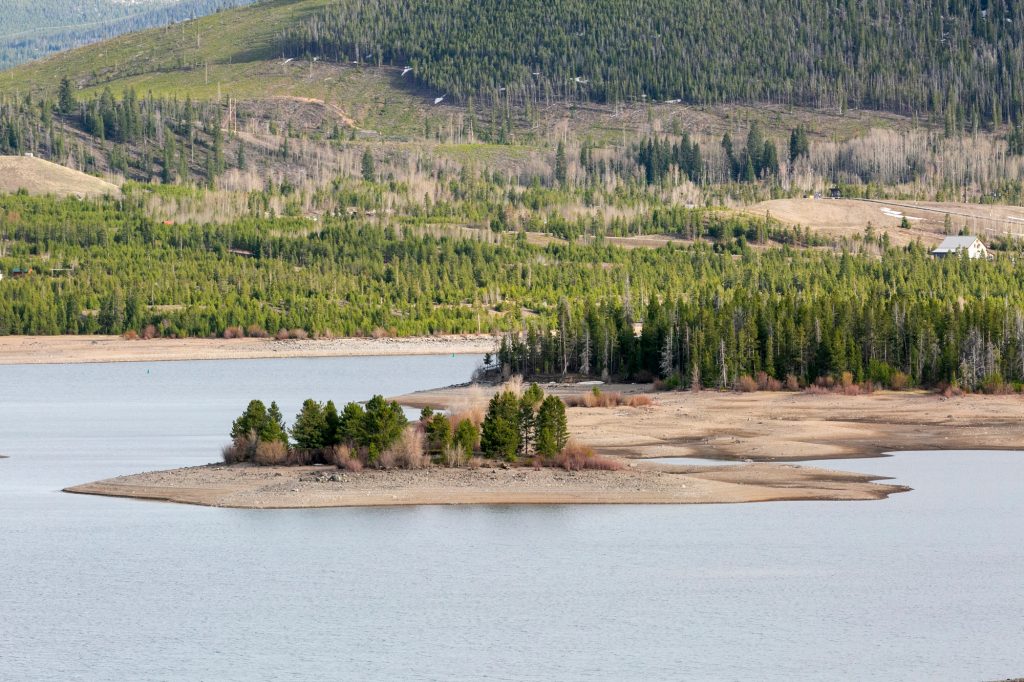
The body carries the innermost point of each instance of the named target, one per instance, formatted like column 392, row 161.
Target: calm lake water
column 927, row 585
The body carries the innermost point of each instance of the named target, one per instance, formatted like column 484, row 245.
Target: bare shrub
column 595, row 398
column 241, row 449
column 353, row 464
column 640, row 401
column 130, row 335
column 792, row 383
column 576, row 457
column 514, row 385
column 816, row 389
column 899, row 381
column 270, row 453
column 379, row 333
column 281, row 334
column 746, row 384
column 475, row 462
column 472, row 405
column 602, row 463
column 851, row 389
column 233, row 333
column 827, row 381
column 255, row 331
column 301, row 457
column 453, row 457
column 385, row 460
column 765, row 382
column 336, row 455
column 846, row 379
column 299, row 334
column 149, row 332
column 612, row 399
column 407, row 453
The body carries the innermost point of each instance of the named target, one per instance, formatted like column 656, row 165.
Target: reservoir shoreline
column 767, row 432
column 31, row 350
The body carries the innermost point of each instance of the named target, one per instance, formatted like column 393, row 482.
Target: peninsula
column 771, row 430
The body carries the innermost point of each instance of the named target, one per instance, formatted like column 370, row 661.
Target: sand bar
column 245, row 486
column 25, row 350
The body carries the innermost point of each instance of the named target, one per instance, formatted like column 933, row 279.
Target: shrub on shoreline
column 577, row 457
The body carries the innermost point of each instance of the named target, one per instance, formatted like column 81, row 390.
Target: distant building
column 954, row 245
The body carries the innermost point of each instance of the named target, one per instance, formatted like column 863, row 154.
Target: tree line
column 881, row 332
column 724, row 308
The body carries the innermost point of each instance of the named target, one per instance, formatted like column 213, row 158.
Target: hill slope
column 932, row 56
column 30, row 29
column 42, row 177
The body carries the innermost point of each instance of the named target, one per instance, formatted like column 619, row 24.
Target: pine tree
column 500, row 435
column 251, row 421
column 529, row 403
column 332, row 423
column 383, row 423
column 368, row 167
column 552, row 427
column 439, row 433
column 561, row 166
column 66, row 102
column 351, row 425
column 274, row 428
column 466, row 437
column 310, row 424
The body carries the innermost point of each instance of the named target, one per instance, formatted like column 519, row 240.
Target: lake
column 926, row 585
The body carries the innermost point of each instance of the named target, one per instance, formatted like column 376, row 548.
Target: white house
column 955, row 245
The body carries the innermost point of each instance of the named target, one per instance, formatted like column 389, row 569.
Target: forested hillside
column 952, row 58
column 30, row 29
column 713, row 312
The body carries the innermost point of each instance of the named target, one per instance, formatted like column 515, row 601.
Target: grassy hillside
column 37, row 176
column 234, row 53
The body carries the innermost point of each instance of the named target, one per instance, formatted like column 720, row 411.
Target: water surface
column 926, row 585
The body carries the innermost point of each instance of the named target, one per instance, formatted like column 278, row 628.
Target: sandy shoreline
column 780, row 426
column 771, row 428
column 24, row 350
column 247, row 487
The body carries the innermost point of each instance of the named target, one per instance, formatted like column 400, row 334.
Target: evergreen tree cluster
column 317, row 430
column 524, row 426
column 658, row 157
column 758, row 159
column 955, row 59
column 141, row 137
column 798, row 335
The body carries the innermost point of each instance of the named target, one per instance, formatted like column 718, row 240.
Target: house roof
column 951, row 244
